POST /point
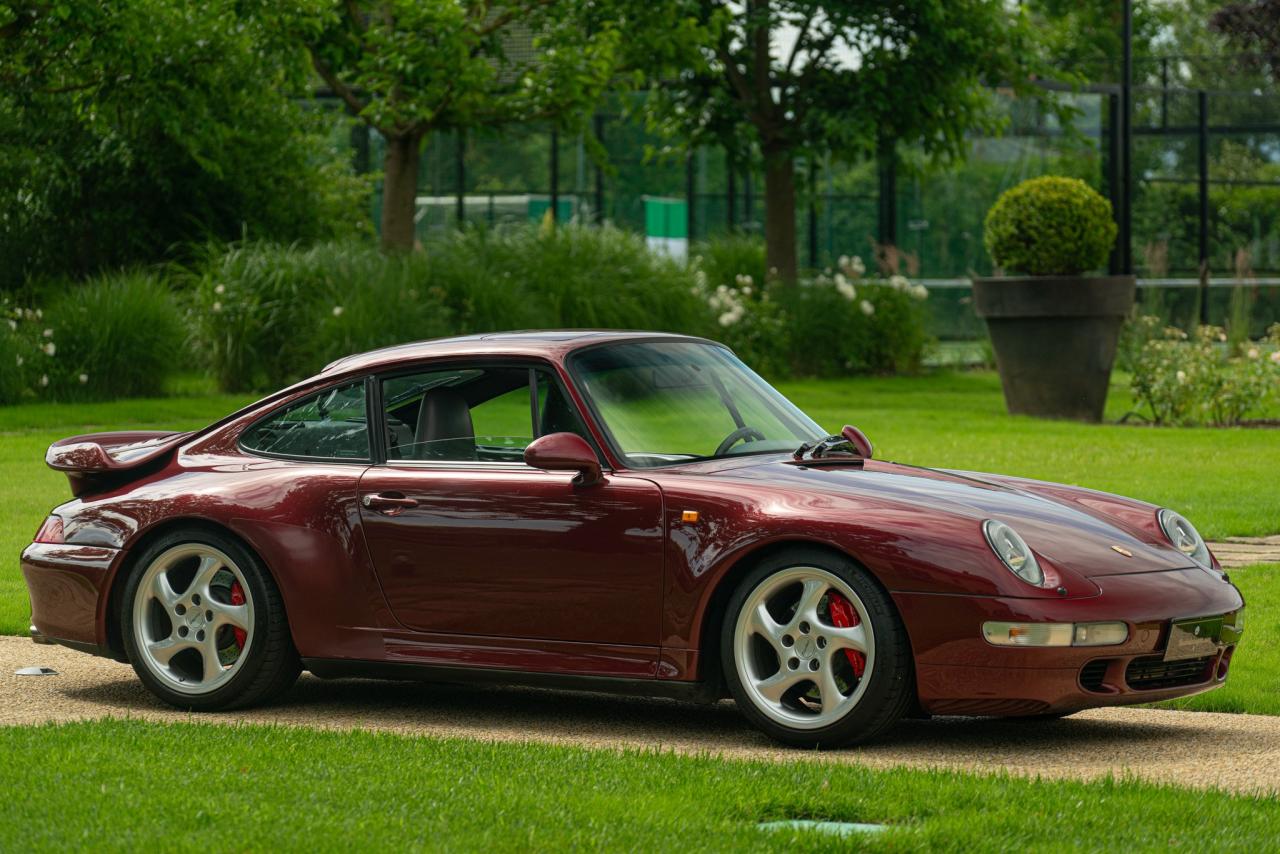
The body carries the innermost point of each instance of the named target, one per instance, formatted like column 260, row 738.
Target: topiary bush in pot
column 1050, row 226
column 1053, row 325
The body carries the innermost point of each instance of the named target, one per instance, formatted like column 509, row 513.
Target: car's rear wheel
column 814, row 652
column 204, row 625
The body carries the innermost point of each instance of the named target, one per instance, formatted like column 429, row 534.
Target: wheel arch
column 140, row 543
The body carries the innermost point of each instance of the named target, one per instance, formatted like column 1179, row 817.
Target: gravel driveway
column 1233, row 752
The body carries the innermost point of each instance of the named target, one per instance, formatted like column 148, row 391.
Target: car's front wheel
column 814, row 652
column 203, row 623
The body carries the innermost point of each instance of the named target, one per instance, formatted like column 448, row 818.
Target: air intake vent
column 1091, row 675
column 1153, row 673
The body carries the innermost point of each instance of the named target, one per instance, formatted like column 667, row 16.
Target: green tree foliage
column 789, row 78
column 1050, row 226
column 129, row 128
column 410, row 67
column 1253, row 25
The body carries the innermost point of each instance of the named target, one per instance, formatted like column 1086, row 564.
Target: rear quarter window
column 330, row 425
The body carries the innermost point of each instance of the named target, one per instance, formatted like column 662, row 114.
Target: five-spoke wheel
column 804, row 644
column 193, row 619
column 814, row 652
column 203, row 623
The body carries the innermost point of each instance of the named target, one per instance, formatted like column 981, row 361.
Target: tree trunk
column 780, row 216
column 400, row 190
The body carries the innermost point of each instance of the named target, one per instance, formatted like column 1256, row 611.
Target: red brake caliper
column 843, row 616
column 237, row 598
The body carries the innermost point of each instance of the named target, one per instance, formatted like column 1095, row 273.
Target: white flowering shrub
column 1183, row 379
column 747, row 319
column 853, row 324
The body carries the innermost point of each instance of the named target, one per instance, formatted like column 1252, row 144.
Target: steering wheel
column 749, row 434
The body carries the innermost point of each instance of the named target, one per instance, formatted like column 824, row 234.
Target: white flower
column 44, row 380
column 842, row 261
column 48, row 333
column 701, row 278
column 337, row 311
column 220, row 290
column 1182, row 377
column 899, row 283
column 1275, row 356
column 867, row 308
column 216, row 307
column 50, row 349
column 856, row 266
column 920, row 292
column 84, row 378
column 21, row 360
column 732, row 316
column 845, row 287
column 1253, row 353
column 39, row 314
column 13, row 325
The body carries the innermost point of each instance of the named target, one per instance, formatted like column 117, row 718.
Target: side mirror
column 858, row 439
column 565, row 452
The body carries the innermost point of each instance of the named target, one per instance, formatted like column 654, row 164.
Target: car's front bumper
column 959, row 673
column 68, row 588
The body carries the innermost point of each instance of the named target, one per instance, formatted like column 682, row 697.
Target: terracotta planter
column 1055, row 340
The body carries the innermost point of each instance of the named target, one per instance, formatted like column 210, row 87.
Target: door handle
column 389, row 503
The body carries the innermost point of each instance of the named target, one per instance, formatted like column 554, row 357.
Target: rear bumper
column 68, row 586
column 959, row 673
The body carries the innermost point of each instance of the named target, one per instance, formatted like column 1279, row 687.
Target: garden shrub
column 1200, row 379
column 578, row 277
column 1050, row 226
column 267, row 314
column 119, row 335
column 725, row 258
column 843, row 325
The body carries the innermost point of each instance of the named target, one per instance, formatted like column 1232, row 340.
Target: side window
column 505, row 422
column 329, row 425
column 478, row 414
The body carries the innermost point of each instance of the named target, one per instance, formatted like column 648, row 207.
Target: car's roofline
column 552, row 344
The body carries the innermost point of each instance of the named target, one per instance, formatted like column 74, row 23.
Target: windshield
column 675, row 401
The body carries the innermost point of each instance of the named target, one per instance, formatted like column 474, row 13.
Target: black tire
column 271, row 665
column 890, row 692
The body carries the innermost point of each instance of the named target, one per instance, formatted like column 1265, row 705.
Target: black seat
column 444, row 429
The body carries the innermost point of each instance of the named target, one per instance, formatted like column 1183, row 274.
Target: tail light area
column 51, row 531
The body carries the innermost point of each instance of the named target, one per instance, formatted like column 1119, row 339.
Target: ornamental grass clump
column 116, row 335
column 1183, row 379
column 1050, row 226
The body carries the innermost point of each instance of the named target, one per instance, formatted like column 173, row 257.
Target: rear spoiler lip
column 124, row 450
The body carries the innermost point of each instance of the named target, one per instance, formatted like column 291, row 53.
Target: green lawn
column 1224, row 480
column 120, row 785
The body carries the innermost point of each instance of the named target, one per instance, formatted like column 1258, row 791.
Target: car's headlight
column 1184, row 537
column 1013, row 552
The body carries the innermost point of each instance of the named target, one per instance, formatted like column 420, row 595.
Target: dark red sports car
column 611, row 511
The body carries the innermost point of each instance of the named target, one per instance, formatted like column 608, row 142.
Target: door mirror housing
column 565, row 452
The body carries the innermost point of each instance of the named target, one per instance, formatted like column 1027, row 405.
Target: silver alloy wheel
column 184, row 620
column 791, row 658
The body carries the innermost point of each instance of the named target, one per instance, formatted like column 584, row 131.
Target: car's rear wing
column 101, row 458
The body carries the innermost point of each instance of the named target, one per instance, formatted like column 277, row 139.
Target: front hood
column 1065, row 534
